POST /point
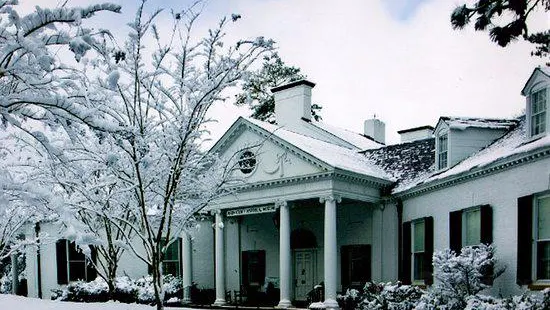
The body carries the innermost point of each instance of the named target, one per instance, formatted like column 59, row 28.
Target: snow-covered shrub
column 389, row 296
column 126, row 290
column 350, row 300
column 523, row 302
column 459, row 276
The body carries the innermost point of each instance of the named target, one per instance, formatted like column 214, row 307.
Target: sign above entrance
column 252, row 210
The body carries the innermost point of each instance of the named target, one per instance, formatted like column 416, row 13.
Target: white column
column 285, row 275
column 220, row 260
column 330, row 251
column 187, row 276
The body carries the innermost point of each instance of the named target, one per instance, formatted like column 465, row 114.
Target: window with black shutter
column 470, row 227
column 72, row 264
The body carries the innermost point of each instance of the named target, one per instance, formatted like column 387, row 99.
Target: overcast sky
column 398, row 59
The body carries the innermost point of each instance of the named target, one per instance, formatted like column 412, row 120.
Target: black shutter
column 91, row 272
column 455, row 231
column 245, row 280
column 180, row 261
column 486, row 233
column 344, row 266
column 428, row 249
column 61, row 257
column 406, row 259
column 525, row 240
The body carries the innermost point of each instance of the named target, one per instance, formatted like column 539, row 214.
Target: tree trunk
column 157, row 283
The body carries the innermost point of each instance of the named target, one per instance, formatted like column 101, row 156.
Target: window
column 442, row 148
column 533, row 239
column 171, row 264
column 72, row 264
column 247, row 162
column 542, row 237
column 418, row 250
column 355, row 266
column 538, row 112
column 472, row 226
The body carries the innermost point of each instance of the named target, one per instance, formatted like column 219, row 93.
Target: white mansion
column 322, row 204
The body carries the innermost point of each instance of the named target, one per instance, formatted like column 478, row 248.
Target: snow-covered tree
column 160, row 90
column 34, row 82
column 37, row 87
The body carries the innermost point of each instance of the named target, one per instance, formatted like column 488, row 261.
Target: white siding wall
column 501, row 191
column 463, row 143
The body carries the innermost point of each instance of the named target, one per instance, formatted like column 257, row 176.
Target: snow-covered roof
column 514, row 143
column 331, row 154
column 467, row 122
column 360, row 141
column 405, row 161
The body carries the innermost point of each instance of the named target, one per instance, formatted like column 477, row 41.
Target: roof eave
column 492, row 167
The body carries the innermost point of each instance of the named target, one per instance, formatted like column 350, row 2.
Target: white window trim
column 529, row 113
column 414, row 223
column 464, row 223
column 443, row 132
column 536, row 281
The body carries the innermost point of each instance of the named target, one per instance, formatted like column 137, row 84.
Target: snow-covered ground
column 10, row 302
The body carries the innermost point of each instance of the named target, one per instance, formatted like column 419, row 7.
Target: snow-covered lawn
column 10, row 302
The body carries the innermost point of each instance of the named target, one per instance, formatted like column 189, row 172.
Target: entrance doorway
column 304, row 273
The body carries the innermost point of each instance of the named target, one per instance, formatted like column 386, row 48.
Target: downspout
column 38, row 260
column 382, row 207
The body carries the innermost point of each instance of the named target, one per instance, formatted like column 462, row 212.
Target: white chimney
column 293, row 103
column 376, row 130
column 417, row 133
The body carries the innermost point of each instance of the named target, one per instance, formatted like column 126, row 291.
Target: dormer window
column 443, row 146
column 538, row 112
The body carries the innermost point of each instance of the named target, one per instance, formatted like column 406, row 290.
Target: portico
column 299, row 181
column 278, row 230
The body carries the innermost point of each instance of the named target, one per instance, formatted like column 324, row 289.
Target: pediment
column 272, row 159
column 537, row 78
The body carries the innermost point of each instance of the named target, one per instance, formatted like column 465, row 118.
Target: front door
column 304, row 273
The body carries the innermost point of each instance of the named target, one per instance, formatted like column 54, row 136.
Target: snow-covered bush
column 459, row 276
column 389, row 296
column 126, row 290
column 523, row 302
column 350, row 300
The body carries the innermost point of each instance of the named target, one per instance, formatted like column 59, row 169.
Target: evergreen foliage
column 256, row 89
column 505, row 20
